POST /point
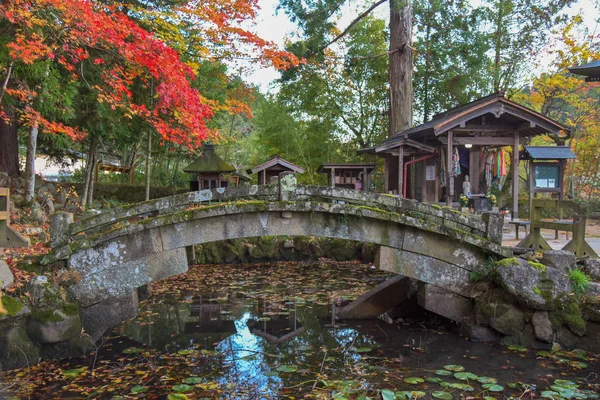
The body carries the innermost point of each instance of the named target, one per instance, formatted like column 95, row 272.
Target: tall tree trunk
column 88, row 173
column 9, row 143
column 30, row 161
column 498, row 46
column 426, row 106
column 148, row 160
column 401, row 66
column 90, row 196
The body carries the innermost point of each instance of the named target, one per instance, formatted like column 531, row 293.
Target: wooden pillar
column 449, row 172
column 264, row 176
column 531, row 188
column 401, row 171
column 386, row 174
column 365, row 181
column 515, row 208
column 474, row 155
column 332, row 178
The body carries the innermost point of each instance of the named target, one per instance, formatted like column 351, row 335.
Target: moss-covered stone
column 12, row 305
column 570, row 315
column 507, row 262
column 539, row 266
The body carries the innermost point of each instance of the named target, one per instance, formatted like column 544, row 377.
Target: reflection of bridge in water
column 209, row 314
column 276, row 326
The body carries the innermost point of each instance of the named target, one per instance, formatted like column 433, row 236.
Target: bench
column 559, row 225
column 576, row 226
column 517, row 224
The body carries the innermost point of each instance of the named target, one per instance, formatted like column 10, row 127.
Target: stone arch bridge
column 120, row 250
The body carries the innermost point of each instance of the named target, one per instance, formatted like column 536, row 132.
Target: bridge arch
column 118, row 251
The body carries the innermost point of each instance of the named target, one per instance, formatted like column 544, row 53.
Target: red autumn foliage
column 69, row 31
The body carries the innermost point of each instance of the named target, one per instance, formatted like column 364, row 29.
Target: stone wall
column 282, row 248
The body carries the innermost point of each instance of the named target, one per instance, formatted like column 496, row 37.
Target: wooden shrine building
column 273, row 167
column 431, row 162
column 209, row 171
column 349, row 176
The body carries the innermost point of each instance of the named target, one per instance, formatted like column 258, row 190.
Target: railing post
column 494, row 223
column 59, row 228
column 287, row 186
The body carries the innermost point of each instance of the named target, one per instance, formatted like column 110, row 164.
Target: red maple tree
column 70, row 32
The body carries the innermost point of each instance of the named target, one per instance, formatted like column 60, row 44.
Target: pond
column 269, row 332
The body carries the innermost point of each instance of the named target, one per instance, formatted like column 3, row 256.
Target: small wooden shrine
column 547, row 166
column 209, row 171
column 349, row 176
column 467, row 150
column 273, row 167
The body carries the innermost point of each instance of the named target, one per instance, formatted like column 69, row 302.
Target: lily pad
column 363, row 349
column 132, row 350
column 387, row 394
column 405, row 394
column 493, row 387
column 465, row 376
column 563, row 391
column 177, row 396
column 462, row 386
column 566, row 384
column 544, row 353
column 549, row 394
column 577, row 364
column 442, row 395
column 185, row 352
column 287, row 368
column 517, row 348
column 443, row 372
column 455, row 368
column 183, row 388
column 271, row 373
column 72, row 373
column 486, row 379
column 433, row 379
column 137, row 389
column 193, row 380
column 413, row 380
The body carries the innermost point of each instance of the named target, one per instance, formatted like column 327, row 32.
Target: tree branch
column 354, row 22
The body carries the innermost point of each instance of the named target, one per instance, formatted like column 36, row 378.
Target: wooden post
column 515, row 210
column 386, row 174
column 365, row 181
column 531, row 189
column 264, row 176
column 449, row 172
column 401, row 171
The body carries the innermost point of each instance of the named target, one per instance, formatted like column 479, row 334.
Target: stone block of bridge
column 59, row 229
column 444, row 302
column 116, row 280
column 382, row 298
column 102, row 316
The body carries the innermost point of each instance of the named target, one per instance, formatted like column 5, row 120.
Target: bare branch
column 354, row 22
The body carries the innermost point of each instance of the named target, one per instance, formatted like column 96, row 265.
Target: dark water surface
column 268, row 332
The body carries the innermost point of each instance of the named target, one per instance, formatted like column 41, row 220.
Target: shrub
column 580, row 281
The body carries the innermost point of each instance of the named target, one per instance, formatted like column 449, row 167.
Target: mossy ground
column 12, row 305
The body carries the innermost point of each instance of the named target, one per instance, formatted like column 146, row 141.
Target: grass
column 580, row 281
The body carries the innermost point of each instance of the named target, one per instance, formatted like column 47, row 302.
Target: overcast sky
column 276, row 27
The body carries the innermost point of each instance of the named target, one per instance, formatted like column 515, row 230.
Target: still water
column 269, row 332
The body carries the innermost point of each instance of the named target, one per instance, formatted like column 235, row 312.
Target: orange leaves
column 29, row 49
